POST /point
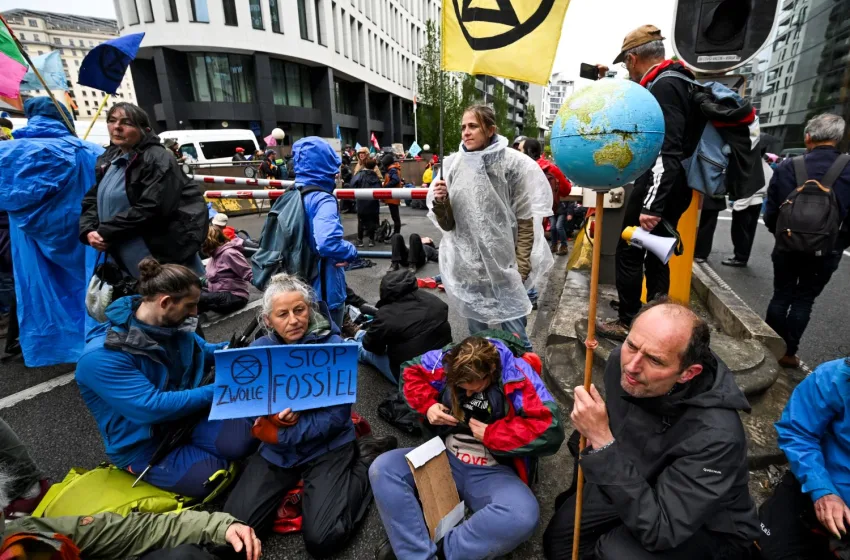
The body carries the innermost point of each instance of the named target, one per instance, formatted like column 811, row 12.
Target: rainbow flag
column 12, row 65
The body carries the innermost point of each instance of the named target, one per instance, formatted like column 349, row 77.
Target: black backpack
column 808, row 220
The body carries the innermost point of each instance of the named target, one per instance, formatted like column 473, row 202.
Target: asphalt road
column 826, row 337
column 61, row 433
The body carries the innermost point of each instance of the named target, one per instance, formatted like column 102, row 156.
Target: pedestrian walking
column 745, row 219
column 392, row 180
column 807, row 225
column 142, row 204
column 491, row 203
column 662, row 193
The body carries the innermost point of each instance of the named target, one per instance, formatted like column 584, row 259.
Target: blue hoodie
column 128, row 383
column 317, row 431
column 46, row 172
column 316, row 165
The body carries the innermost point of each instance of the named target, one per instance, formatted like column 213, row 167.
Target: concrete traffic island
column 739, row 337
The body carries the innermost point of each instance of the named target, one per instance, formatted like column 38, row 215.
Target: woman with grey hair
column 317, row 446
column 142, row 204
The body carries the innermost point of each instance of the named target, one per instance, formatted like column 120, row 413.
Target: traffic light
column 715, row 36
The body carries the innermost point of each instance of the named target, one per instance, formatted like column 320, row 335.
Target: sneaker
column 732, row 261
column 699, row 260
column 372, row 446
column 614, row 329
column 371, row 243
column 358, row 243
column 791, row 362
column 412, row 269
column 393, row 267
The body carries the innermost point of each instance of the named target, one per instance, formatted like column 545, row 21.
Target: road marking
column 727, row 218
column 36, row 390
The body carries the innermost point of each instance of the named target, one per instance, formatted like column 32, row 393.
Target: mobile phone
column 589, row 71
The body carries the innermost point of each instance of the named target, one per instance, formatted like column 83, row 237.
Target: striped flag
column 12, row 65
column 375, row 142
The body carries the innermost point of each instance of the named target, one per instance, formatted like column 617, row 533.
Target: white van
column 215, row 145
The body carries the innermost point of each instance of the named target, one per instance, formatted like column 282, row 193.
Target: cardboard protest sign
column 432, row 474
column 263, row 380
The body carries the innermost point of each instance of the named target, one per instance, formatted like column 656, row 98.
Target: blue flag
column 105, row 65
column 50, row 67
column 357, row 147
column 262, row 380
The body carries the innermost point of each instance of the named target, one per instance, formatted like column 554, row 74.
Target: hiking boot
column 555, row 247
column 372, row 446
column 393, row 267
column 385, row 551
column 563, row 250
column 735, row 262
column 791, row 362
column 614, row 329
column 412, row 269
column 358, row 243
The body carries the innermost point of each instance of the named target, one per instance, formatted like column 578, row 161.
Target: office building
column 306, row 66
column 559, row 89
column 809, row 69
column 73, row 36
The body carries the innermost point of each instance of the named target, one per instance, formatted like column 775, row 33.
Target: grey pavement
column 826, row 337
column 61, row 433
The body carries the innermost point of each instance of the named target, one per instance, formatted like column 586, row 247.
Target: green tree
column 504, row 119
column 530, row 126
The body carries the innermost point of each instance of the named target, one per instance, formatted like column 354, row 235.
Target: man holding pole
column 666, row 462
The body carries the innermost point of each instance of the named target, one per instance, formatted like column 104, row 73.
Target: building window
column 40, row 53
column 85, row 93
column 302, row 19
column 170, row 10
column 200, row 12
column 230, row 13
column 222, row 78
column 35, row 37
column 256, row 14
column 132, row 15
column 291, row 84
column 274, row 10
column 320, row 37
column 343, row 98
column 147, row 8
column 784, row 99
column 57, row 41
column 336, row 26
column 32, row 23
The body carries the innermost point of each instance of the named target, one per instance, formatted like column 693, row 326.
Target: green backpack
column 107, row 488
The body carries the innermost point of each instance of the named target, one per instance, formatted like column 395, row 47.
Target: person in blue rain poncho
column 46, row 172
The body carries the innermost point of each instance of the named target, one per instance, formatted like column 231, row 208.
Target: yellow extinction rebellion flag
column 513, row 39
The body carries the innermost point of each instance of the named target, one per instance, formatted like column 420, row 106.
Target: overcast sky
column 593, row 29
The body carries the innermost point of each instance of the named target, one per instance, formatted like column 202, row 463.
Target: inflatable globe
column 607, row 134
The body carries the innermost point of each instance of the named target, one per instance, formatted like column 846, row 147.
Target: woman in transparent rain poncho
column 491, row 203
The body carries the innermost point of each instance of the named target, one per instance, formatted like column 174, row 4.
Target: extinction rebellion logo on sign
column 504, row 14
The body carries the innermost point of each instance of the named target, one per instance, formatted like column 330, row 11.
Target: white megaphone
column 661, row 247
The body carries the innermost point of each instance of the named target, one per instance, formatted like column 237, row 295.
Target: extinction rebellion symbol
column 505, row 15
column 246, row 369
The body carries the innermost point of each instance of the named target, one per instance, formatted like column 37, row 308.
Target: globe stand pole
column 590, row 344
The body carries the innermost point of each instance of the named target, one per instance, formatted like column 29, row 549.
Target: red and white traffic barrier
column 344, row 194
column 242, row 181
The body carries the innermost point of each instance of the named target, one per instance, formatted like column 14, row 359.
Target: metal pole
column 96, row 115
column 442, row 108
column 590, row 344
column 35, row 71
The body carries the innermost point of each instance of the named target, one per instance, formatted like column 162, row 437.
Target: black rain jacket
column 167, row 209
column 409, row 321
column 678, row 462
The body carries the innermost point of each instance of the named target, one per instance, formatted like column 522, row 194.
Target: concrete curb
column 735, row 317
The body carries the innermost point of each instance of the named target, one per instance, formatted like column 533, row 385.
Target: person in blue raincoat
column 46, row 172
column 316, row 165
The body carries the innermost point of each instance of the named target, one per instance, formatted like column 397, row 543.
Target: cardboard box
column 441, row 504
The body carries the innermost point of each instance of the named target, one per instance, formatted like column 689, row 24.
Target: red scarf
column 656, row 71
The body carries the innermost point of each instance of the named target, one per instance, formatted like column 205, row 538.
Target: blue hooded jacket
column 123, row 377
column 317, row 431
column 46, row 172
column 814, row 431
column 316, row 165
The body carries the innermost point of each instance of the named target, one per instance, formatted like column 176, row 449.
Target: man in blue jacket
column 316, row 165
column 799, row 278
column 807, row 517
column 141, row 372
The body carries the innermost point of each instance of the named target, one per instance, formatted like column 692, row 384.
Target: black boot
column 371, row 446
column 385, row 551
column 393, row 267
column 412, row 269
